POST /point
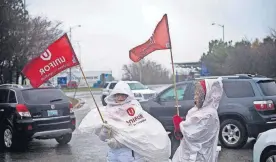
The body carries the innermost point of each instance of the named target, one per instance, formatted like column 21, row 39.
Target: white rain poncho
column 131, row 126
column 201, row 128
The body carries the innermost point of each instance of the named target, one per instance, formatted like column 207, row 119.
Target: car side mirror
column 157, row 99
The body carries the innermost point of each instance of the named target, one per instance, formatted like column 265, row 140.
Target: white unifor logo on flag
column 152, row 41
column 46, row 56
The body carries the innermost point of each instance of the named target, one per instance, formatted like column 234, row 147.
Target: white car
column 141, row 92
column 265, row 147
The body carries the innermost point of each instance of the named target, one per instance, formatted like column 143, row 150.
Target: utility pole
column 140, row 70
column 70, row 70
column 222, row 29
column 70, row 37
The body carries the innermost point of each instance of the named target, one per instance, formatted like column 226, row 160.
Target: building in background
column 189, row 70
column 94, row 78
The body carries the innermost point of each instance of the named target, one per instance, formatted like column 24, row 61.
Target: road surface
column 86, row 147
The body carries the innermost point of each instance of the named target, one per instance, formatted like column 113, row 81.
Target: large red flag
column 56, row 58
column 159, row 40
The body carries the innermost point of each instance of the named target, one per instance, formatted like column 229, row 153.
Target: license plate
column 52, row 112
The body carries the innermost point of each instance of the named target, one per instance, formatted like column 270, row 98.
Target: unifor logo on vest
column 135, row 120
column 46, row 56
column 131, row 111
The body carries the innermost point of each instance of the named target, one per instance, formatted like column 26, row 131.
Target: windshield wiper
column 56, row 100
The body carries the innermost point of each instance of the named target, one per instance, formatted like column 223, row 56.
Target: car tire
column 103, row 102
column 7, row 137
column 232, row 134
column 271, row 154
column 174, row 144
column 65, row 139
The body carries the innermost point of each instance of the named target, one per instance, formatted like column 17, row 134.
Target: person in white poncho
column 201, row 127
column 131, row 133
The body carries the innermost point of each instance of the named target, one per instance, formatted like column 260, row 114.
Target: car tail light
column 264, row 105
column 73, row 122
column 23, row 110
column 30, row 127
column 71, row 107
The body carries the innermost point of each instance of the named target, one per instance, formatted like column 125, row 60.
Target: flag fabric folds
column 160, row 40
column 56, row 58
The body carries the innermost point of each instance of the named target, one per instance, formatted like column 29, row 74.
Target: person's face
column 199, row 96
column 119, row 98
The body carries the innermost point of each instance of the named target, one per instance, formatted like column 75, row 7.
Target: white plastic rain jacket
column 133, row 130
column 201, row 128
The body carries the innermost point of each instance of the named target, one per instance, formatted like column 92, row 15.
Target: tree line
column 22, row 37
column 242, row 57
column 149, row 72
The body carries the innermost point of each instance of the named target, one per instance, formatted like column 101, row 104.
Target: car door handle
column 177, row 106
column 2, row 110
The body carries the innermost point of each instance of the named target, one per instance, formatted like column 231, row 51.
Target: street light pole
column 70, row 37
column 222, row 29
column 70, row 70
column 24, row 6
column 140, row 70
column 78, row 43
column 223, row 32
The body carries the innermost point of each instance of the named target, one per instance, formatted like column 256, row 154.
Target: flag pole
column 86, row 82
column 173, row 70
column 92, row 95
column 77, row 88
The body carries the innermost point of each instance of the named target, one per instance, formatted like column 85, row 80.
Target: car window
column 105, row 85
column 136, row 86
column 4, row 95
column 268, row 88
column 192, row 92
column 238, row 89
column 112, row 85
column 44, row 96
column 169, row 95
column 12, row 98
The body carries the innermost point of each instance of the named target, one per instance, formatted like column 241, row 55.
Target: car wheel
column 64, row 139
column 103, row 102
column 269, row 156
column 174, row 144
column 7, row 137
column 232, row 134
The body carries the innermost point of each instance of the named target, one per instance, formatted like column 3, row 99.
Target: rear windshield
column 44, row 96
column 268, row 88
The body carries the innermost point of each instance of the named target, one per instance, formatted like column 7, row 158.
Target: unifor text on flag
column 160, row 40
column 56, row 58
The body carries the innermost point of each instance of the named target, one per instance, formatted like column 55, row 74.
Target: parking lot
column 87, row 147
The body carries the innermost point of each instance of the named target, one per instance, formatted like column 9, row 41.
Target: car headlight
column 137, row 95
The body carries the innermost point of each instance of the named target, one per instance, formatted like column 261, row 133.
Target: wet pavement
column 86, row 147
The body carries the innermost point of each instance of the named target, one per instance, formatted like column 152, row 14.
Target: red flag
column 159, row 40
column 56, row 58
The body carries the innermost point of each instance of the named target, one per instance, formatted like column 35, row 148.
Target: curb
column 79, row 104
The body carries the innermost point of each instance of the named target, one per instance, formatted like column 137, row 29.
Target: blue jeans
column 123, row 155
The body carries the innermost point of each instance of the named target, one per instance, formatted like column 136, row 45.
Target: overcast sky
column 110, row 28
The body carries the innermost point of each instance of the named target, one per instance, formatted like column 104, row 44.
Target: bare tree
column 152, row 72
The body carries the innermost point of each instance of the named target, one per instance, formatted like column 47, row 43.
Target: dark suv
column 246, row 108
column 27, row 113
